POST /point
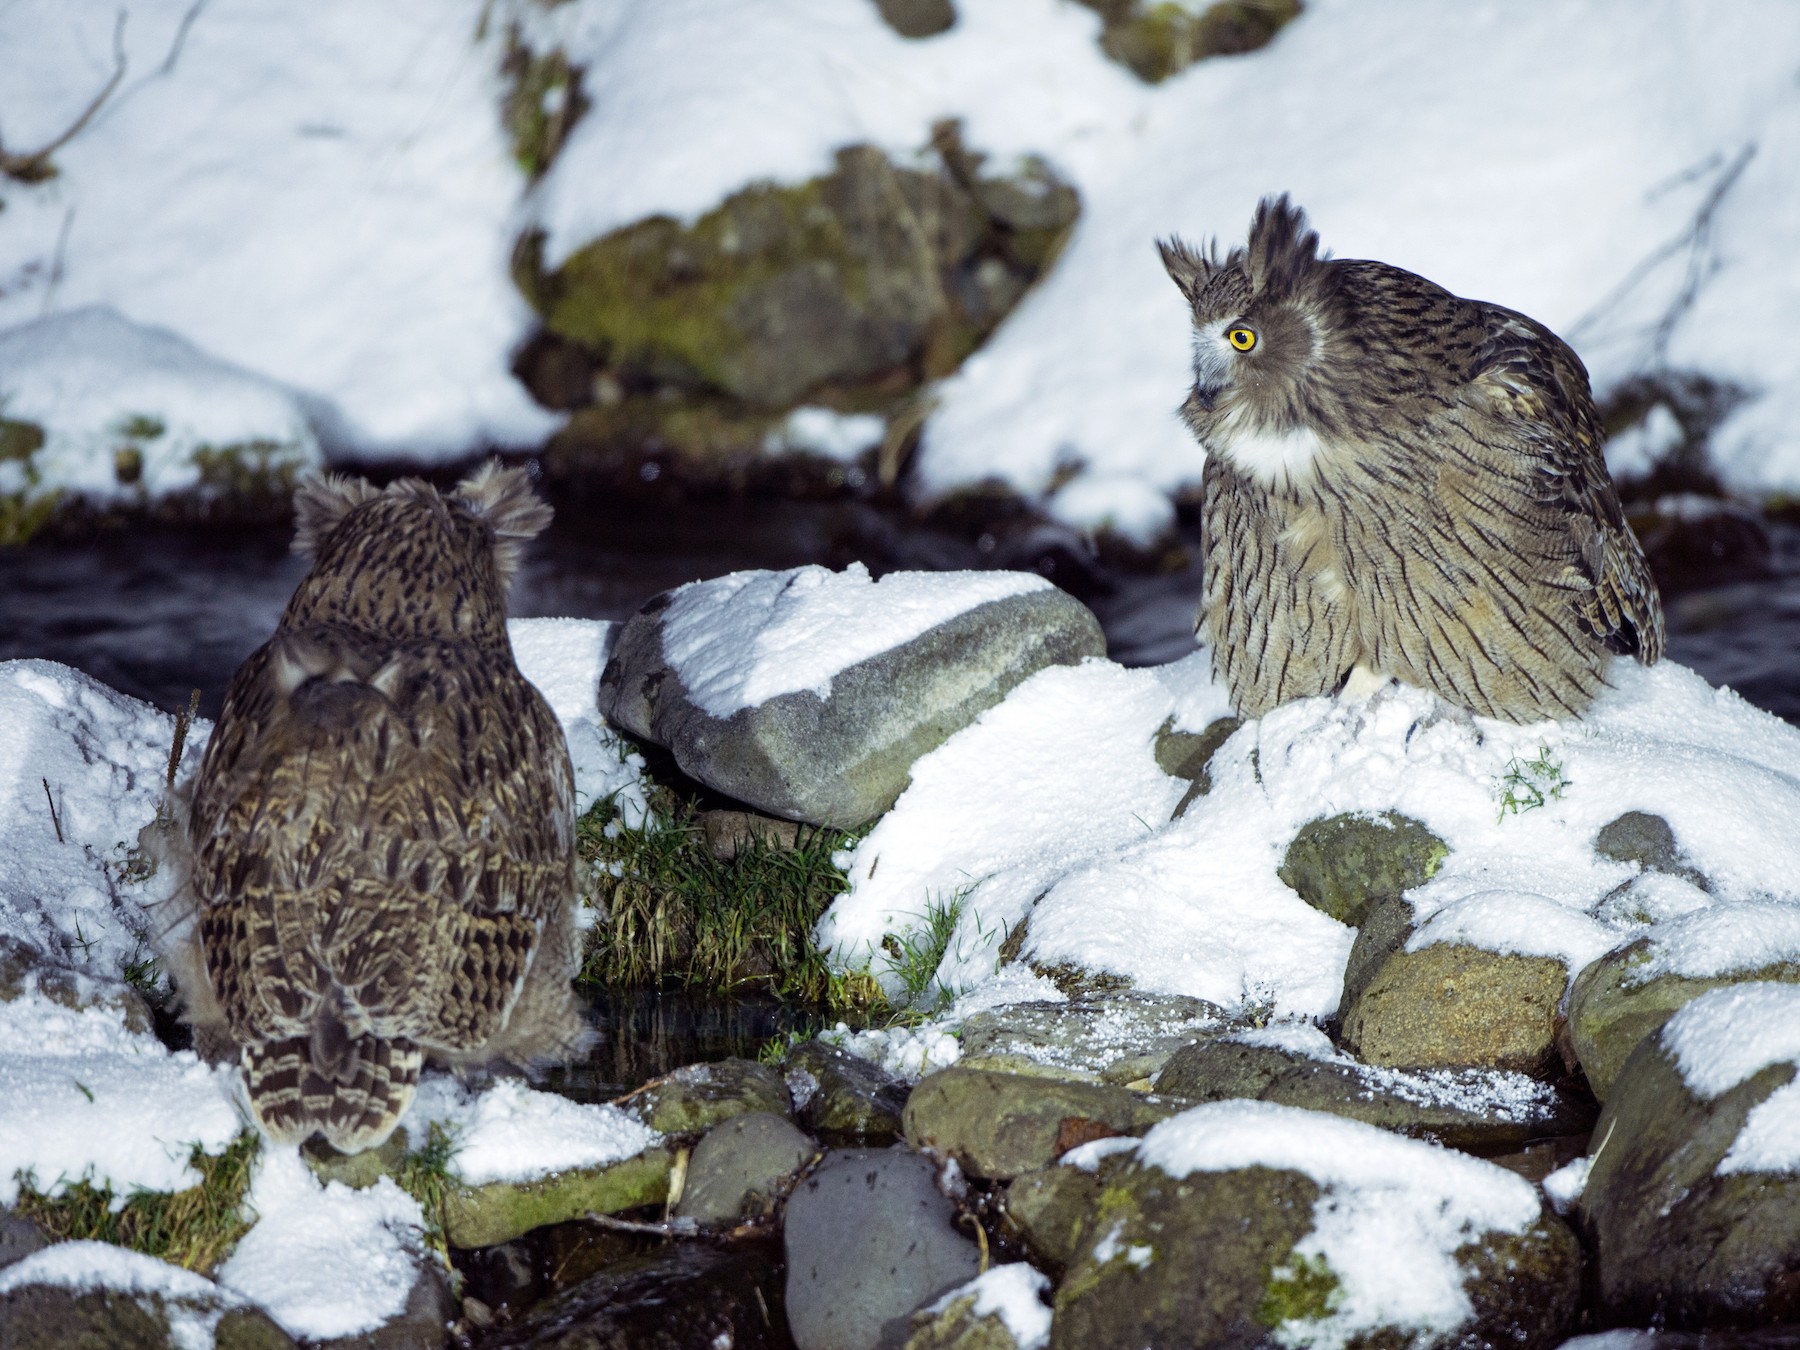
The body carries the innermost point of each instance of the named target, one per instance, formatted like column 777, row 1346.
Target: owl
column 379, row 845
column 1399, row 483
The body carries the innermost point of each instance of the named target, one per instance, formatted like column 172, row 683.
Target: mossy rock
column 1345, row 865
column 848, row 1100
column 56, row 1317
column 1621, row 998
column 480, row 1216
column 1122, row 1037
column 1448, row 1005
column 694, row 1099
column 1160, row 38
column 853, row 289
column 1050, row 1208
column 998, row 1125
column 1210, row 1259
column 1677, row 1240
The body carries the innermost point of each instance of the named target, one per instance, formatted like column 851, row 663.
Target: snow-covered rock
column 810, row 693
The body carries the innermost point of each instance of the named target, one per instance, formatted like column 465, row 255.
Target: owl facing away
column 1399, row 483
column 379, row 845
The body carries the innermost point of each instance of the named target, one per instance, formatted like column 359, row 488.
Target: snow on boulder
column 1241, row 1222
column 1082, row 868
column 1692, row 1191
column 562, row 658
column 103, row 409
column 810, row 694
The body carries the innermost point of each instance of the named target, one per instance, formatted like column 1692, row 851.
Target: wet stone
column 997, row 1125
column 696, row 1097
column 741, row 1167
column 917, row 18
column 482, row 1216
column 682, row 1296
column 843, row 1098
column 55, row 1317
column 1124, row 1037
column 869, row 1239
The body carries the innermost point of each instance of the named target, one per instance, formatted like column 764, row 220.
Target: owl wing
column 1533, row 390
column 396, row 829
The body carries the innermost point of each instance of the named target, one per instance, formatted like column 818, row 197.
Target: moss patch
column 542, row 104
column 1301, row 1289
column 1161, row 38
column 196, row 1228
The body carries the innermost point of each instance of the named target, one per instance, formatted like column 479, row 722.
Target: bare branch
column 34, row 166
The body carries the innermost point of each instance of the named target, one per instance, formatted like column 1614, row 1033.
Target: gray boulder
column 842, row 759
column 1692, row 1200
column 1647, row 840
column 1120, row 1037
column 737, row 1170
column 1480, row 1109
column 869, row 1239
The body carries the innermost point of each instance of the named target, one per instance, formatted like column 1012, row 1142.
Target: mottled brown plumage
column 1399, row 481
column 380, row 838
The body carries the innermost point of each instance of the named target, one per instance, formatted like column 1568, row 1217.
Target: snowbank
column 509, row 1132
column 563, row 658
column 323, row 195
column 318, row 193
column 1085, row 854
column 130, row 412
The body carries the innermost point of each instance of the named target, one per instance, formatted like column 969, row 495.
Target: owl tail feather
column 355, row 1102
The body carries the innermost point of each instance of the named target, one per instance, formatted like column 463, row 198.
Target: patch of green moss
column 1162, row 38
column 247, row 471
column 675, row 912
column 542, row 104
column 1302, row 1289
column 657, row 297
column 196, row 1228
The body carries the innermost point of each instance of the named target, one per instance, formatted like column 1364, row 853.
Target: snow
column 823, row 431
column 1722, row 939
column 740, row 640
column 1016, row 1294
column 1390, row 1218
column 102, row 758
column 325, row 1260
column 100, row 386
column 321, row 194
column 1085, row 853
column 1729, row 1035
column 563, row 659
column 1564, row 1186
column 324, row 196
column 510, row 1132
column 85, row 1098
column 83, row 1266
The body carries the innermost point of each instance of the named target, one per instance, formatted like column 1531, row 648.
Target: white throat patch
column 1276, row 460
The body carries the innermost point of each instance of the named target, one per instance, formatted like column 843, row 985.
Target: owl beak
column 1203, row 396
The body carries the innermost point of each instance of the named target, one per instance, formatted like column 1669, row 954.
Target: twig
column 33, row 166
column 184, row 717
column 52, row 800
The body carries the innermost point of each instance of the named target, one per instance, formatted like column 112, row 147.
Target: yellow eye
column 1241, row 338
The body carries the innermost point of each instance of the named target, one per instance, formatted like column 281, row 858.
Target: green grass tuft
column 1529, row 783
column 196, row 1228
column 917, row 954
column 675, row 913
column 425, row 1176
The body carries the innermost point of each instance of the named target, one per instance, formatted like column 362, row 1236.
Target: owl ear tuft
column 1283, row 254
column 1188, row 267
column 320, row 503
column 503, row 497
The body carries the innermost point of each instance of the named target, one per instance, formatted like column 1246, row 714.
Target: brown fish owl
column 1399, row 483
column 379, row 843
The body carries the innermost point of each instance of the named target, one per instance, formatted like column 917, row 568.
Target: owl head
column 1262, row 319
column 410, row 561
